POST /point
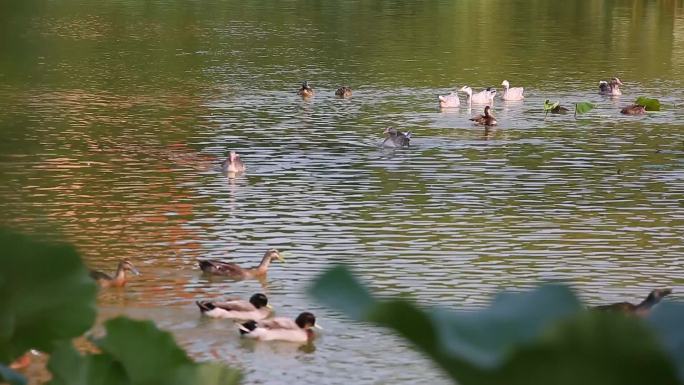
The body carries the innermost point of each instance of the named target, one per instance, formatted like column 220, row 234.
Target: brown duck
column 236, row 272
column 642, row 309
column 344, row 92
column 634, row 109
column 305, row 90
column 487, row 119
column 119, row 278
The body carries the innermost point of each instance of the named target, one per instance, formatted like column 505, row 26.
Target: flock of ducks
column 254, row 317
column 396, row 138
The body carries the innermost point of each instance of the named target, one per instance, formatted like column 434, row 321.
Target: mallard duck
column 395, row 138
column 233, row 163
column 611, row 87
column 482, row 97
column 642, row 309
column 487, row 119
column 281, row 329
column 634, row 109
column 119, row 278
column 305, row 90
column 451, row 100
column 515, row 93
column 257, row 308
column 344, row 92
column 235, row 271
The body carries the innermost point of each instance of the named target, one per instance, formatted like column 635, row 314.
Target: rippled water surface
column 114, row 117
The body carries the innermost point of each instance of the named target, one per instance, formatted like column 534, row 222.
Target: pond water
column 114, row 116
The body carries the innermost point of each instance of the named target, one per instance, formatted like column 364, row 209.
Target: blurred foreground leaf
column 46, row 295
column 650, row 104
column 539, row 337
column 10, row 376
column 135, row 352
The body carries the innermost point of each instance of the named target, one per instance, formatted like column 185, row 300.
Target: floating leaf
column 46, row 295
column 583, row 107
column 538, row 337
column 650, row 104
column 135, row 352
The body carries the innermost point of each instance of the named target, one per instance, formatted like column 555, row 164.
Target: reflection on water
column 115, row 119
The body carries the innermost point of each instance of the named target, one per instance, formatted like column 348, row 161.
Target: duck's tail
column 247, row 327
column 205, row 306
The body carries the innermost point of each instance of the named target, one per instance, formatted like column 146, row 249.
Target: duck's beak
column 317, row 326
column 134, row 270
column 269, row 306
column 280, row 258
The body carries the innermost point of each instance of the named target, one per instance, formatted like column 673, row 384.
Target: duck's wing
column 477, row 118
column 279, row 323
column 516, row 92
column 235, row 305
column 218, row 267
column 620, row 307
column 98, row 275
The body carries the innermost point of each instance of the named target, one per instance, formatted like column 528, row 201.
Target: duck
column 234, row 271
column 395, row 138
column 642, row 309
column 515, row 93
column 305, row 90
column 344, row 92
column 483, row 97
column 634, row 109
column 257, row 308
column 487, row 119
column 119, row 278
column 233, row 164
column 281, row 329
column 451, row 100
column 611, row 87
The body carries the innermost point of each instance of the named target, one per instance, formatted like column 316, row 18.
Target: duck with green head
column 282, row 329
column 257, row 308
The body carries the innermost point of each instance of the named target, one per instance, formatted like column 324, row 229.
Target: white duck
column 256, row 309
column 482, row 97
column 451, row 100
column 281, row 329
column 515, row 93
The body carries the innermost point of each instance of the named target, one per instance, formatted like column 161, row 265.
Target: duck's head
column 259, row 300
column 127, row 265
column 306, row 320
column 390, row 131
column 467, row 90
column 505, row 84
column 274, row 254
column 305, row 85
column 659, row 294
column 615, row 81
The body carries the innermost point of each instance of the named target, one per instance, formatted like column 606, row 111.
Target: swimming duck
column 450, row 100
column 395, row 138
column 234, row 271
column 119, row 278
column 634, row 109
column 642, row 309
column 344, row 92
column 487, row 119
column 281, row 329
column 305, row 90
column 257, row 308
column 233, row 163
column 611, row 87
column 515, row 93
column 482, row 97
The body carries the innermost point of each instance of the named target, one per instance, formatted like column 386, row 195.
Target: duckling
column 611, row 87
column 233, row 163
column 236, row 272
column 634, row 109
column 119, row 278
column 395, row 138
column 487, row 119
column 482, row 97
column 448, row 101
column 282, row 329
column 344, row 92
column 305, row 90
column 642, row 309
column 256, row 309
column 515, row 93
